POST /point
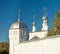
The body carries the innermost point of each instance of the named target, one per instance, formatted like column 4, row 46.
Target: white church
column 24, row 42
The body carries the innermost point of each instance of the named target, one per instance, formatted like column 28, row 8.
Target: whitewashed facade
column 50, row 45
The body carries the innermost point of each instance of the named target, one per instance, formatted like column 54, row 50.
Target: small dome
column 18, row 25
column 44, row 17
column 34, row 22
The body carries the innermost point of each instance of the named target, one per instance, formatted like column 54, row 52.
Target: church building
column 24, row 42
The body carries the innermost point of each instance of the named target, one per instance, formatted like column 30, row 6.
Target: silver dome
column 18, row 25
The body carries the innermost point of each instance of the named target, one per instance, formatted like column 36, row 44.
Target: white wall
column 40, row 34
column 49, row 45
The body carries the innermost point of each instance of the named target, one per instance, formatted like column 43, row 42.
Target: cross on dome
column 19, row 15
column 44, row 11
column 34, row 17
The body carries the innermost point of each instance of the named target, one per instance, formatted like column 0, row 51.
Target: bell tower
column 45, row 20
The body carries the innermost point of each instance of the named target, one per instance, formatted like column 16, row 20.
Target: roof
column 18, row 25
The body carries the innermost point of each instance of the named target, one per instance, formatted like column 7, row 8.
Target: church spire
column 34, row 17
column 45, row 20
column 34, row 24
column 44, row 11
column 19, row 15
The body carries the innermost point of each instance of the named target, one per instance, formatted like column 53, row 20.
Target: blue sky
column 9, row 13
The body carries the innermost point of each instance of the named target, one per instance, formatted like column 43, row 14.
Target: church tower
column 34, row 25
column 18, row 33
column 45, row 21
